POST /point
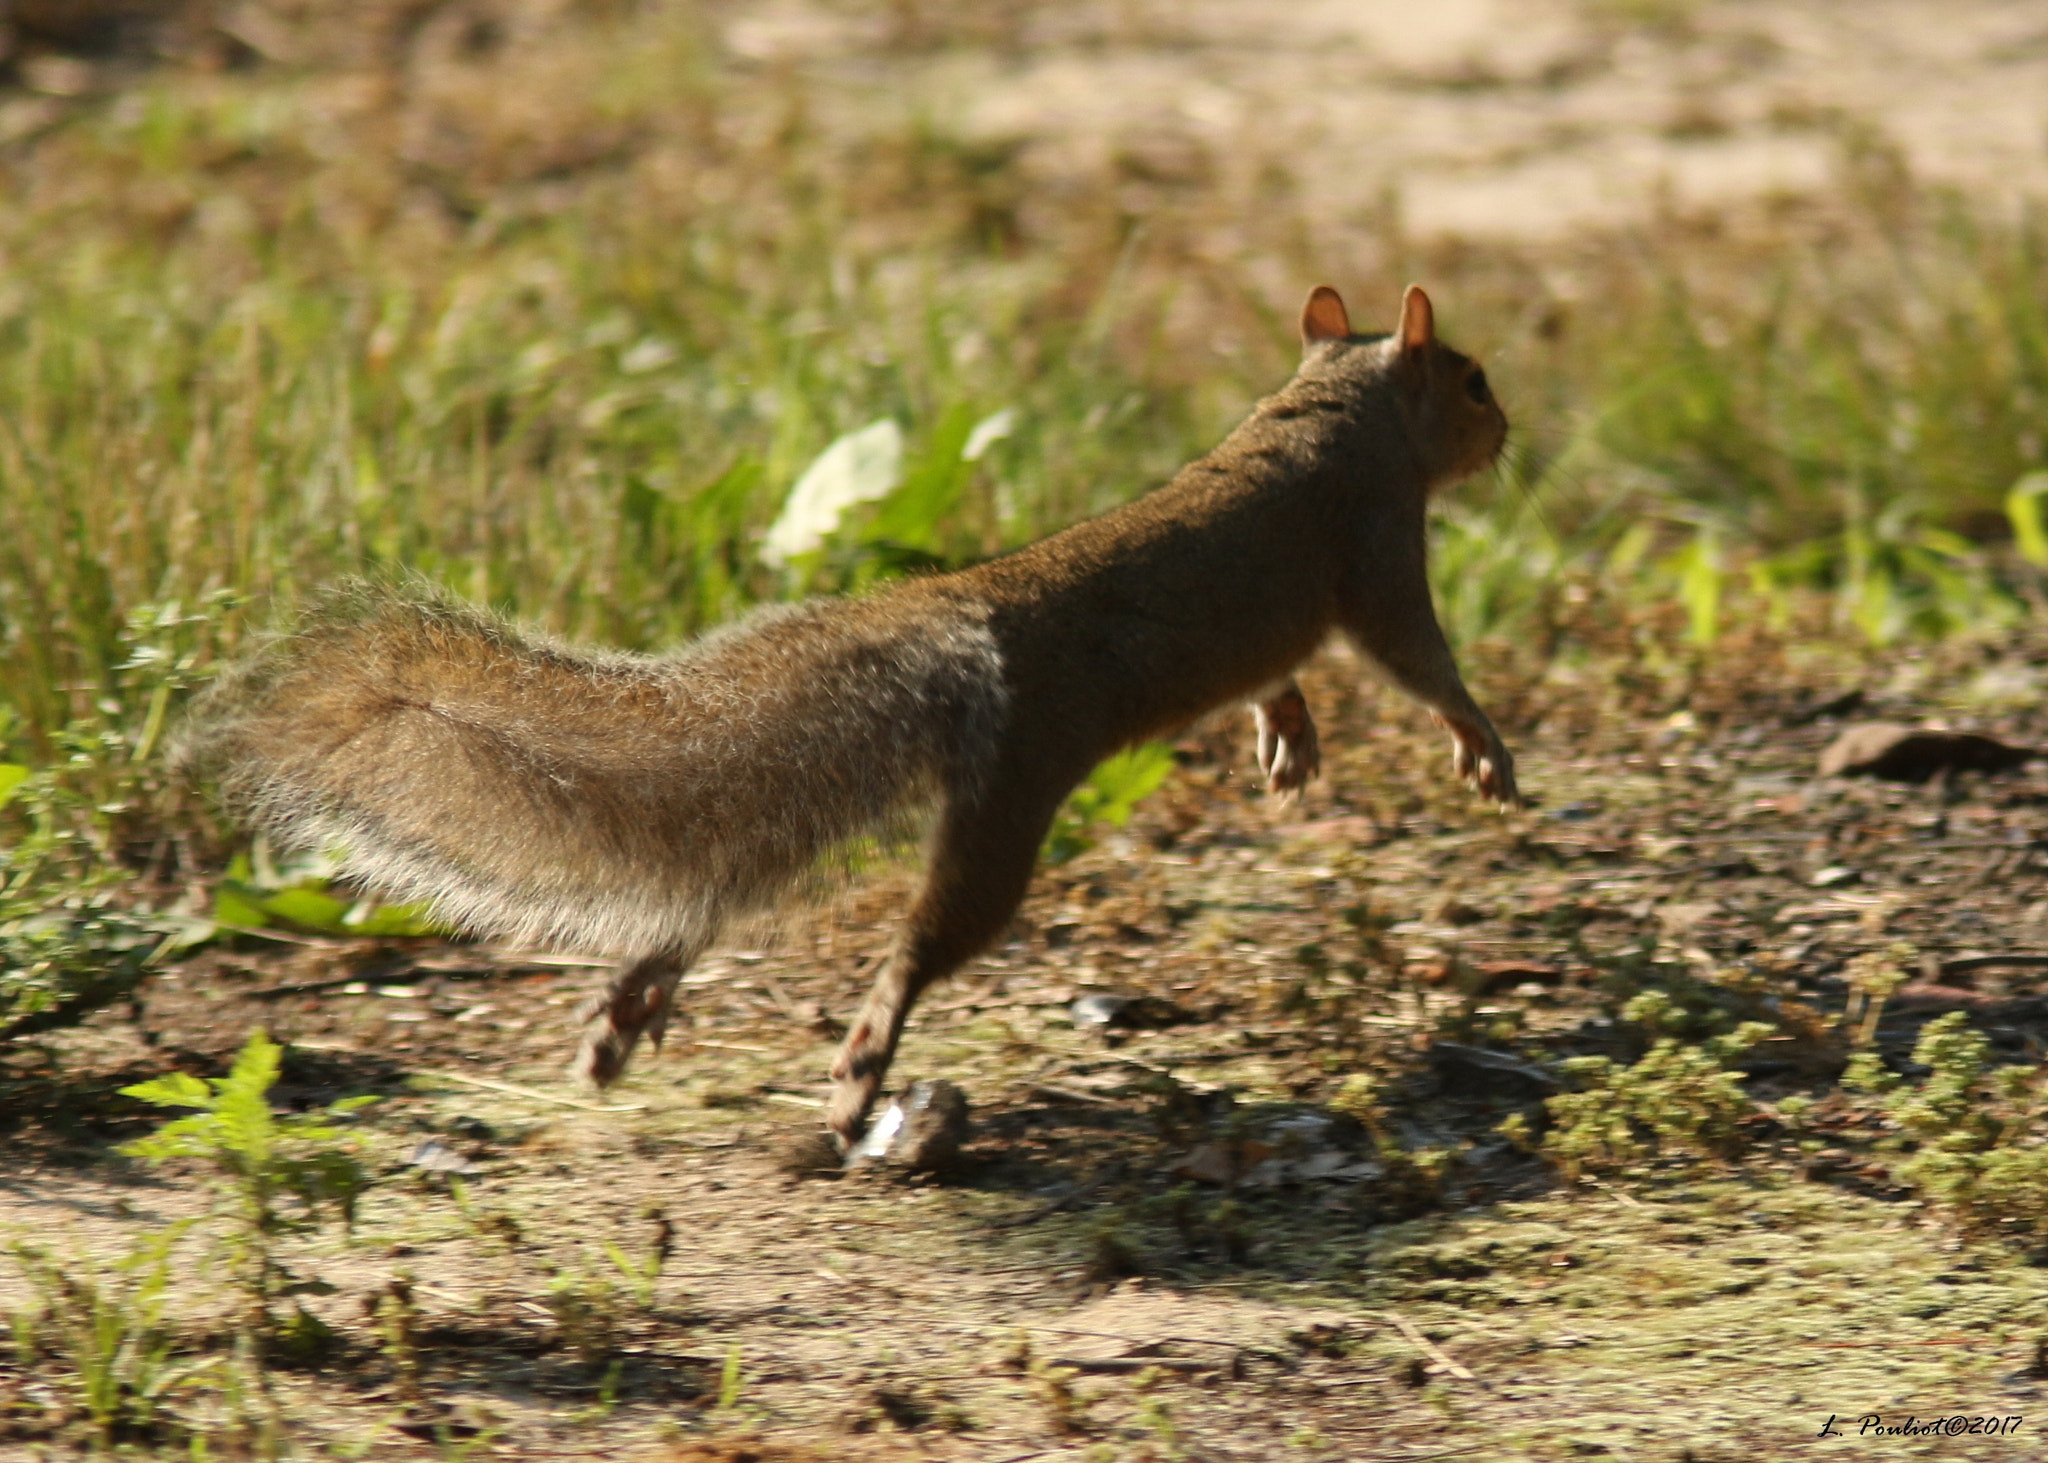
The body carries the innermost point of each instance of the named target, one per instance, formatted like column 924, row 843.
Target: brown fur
column 638, row 803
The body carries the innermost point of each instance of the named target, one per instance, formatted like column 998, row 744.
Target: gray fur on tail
column 607, row 802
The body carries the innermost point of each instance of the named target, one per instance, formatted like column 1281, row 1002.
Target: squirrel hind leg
column 637, row 1002
column 980, row 865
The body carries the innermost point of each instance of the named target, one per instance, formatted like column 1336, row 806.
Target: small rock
column 1222, row 1163
column 437, row 1422
column 1300, row 1130
column 1841, row 705
column 1909, row 754
column 922, row 1130
column 1502, row 975
column 434, row 1156
column 1475, row 1070
column 1452, row 910
column 1355, row 828
column 1106, row 1011
column 1677, row 919
column 1341, row 1167
column 1923, row 995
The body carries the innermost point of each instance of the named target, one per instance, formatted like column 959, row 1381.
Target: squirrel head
column 1448, row 412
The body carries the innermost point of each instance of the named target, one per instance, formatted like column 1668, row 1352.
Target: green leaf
column 255, row 1068
column 309, row 909
column 183, row 932
column 1699, row 585
column 368, row 918
column 179, row 1089
column 235, row 906
column 1111, row 793
column 193, row 1137
column 2023, row 509
column 12, row 776
column 916, row 513
column 1129, row 777
column 639, row 506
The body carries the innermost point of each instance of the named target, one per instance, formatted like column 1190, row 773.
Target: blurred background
column 555, row 300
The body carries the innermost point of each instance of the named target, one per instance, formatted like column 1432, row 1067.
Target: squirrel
column 634, row 804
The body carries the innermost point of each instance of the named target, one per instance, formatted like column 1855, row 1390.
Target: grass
column 106, row 1332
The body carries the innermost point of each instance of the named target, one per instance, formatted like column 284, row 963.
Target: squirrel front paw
column 1478, row 756
column 1288, row 751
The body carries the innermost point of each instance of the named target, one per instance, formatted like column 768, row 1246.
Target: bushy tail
column 607, row 802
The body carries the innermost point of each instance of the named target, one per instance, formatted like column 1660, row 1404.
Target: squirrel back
column 604, row 801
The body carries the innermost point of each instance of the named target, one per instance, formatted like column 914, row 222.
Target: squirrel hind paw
column 601, row 1059
column 635, row 1004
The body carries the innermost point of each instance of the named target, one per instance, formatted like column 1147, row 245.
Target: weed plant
column 1109, row 796
column 65, row 957
column 1979, row 1131
column 642, row 1275
column 84, row 826
column 586, row 1310
column 1971, row 1137
column 257, row 1159
column 1679, row 1103
column 100, row 1338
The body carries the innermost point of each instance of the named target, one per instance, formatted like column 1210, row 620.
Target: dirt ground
column 1315, row 1307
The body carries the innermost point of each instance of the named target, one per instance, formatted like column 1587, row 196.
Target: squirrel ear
column 1323, row 317
column 1418, row 321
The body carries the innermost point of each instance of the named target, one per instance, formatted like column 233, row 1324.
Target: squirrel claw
column 1288, row 752
column 1479, row 759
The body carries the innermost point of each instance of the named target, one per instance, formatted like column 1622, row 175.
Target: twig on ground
column 1436, row 1353
column 1137, row 1340
column 536, row 1095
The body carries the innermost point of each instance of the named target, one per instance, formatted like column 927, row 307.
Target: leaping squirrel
column 635, row 804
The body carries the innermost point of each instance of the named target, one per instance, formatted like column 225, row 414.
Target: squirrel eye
column 1475, row 386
